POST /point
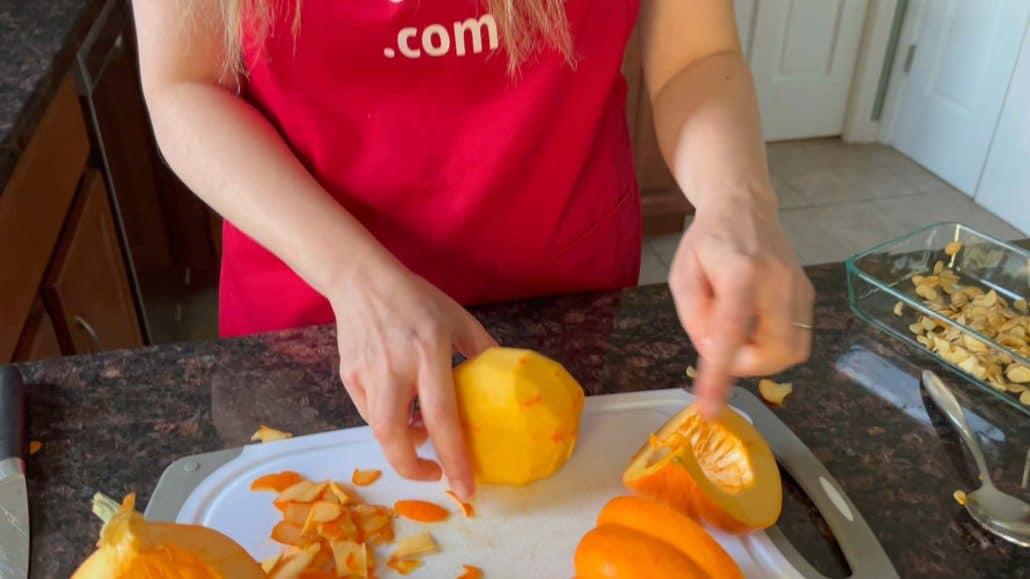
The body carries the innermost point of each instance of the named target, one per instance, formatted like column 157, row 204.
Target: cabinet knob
column 86, row 327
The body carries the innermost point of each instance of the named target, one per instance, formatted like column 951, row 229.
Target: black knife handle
column 12, row 413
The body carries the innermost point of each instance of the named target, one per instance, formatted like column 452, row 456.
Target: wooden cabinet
column 64, row 288
column 39, row 338
column 33, row 206
column 87, row 290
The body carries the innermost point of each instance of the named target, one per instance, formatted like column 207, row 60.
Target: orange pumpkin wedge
column 610, row 551
column 660, row 522
column 421, row 511
column 722, row 471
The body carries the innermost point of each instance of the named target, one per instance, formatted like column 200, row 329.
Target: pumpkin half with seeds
column 721, row 471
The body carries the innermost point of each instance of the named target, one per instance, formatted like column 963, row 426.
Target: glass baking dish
column 884, row 276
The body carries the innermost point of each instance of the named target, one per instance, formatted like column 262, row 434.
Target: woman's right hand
column 396, row 334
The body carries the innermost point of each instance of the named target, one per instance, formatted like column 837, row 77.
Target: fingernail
column 463, row 490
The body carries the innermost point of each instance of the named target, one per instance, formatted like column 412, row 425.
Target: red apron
column 490, row 188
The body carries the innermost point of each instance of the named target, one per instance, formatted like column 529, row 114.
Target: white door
column 802, row 55
column 952, row 95
column 1005, row 186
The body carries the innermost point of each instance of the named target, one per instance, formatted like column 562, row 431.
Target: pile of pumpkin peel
column 329, row 531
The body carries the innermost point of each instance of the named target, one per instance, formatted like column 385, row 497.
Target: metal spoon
column 1000, row 513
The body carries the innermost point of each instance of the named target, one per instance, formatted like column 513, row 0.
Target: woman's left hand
column 740, row 294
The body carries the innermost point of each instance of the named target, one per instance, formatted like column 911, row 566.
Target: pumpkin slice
column 722, row 471
column 304, row 491
column 277, row 482
column 774, row 392
column 414, row 546
column 351, row 558
column 612, row 551
column 421, row 511
column 266, row 434
column 404, row 566
column 664, row 524
column 363, row 478
column 471, row 572
column 294, row 564
column 466, row 508
column 287, row 533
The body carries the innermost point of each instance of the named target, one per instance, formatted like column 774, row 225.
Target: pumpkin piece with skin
column 662, row 523
column 519, row 413
column 721, row 472
column 614, row 552
column 130, row 547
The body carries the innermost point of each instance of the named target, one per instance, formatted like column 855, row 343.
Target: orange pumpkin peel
column 421, row 511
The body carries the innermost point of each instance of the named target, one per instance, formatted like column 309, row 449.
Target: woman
column 383, row 163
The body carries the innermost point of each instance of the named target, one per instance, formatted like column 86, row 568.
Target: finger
column 731, row 317
column 352, row 384
column 779, row 342
column 471, row 338
column 440, row 414
column 390, row 414
column 692, row 295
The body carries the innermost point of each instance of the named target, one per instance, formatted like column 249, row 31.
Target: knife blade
column 14, row 502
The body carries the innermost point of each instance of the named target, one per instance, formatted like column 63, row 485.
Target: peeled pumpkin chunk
column 721, row 472
column 520, row 413
column 132, row 547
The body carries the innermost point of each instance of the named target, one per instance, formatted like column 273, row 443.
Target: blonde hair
column 525, row 27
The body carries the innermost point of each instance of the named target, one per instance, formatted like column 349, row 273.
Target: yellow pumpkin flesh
column 520, row 414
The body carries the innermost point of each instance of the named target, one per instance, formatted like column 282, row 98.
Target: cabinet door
column 39, row 338
column 88, row 289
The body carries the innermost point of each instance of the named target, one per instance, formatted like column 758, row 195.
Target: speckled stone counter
column 112, row 422
column 38, row 42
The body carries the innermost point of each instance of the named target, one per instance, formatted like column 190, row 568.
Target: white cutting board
column 517, row 532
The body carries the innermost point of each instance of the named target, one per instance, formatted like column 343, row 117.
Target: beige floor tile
column 831, row 233
column 813, row 242
column 665, row 247
column 652, row 270
column 828, row 171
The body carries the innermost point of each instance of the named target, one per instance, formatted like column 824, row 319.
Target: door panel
column 803, row 57
column 1005, row 186
column 951, row 101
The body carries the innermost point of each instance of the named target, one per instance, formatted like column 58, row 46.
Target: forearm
column 710, row 132
column 232, row 157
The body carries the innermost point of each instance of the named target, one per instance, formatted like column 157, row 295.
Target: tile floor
column 836, row 199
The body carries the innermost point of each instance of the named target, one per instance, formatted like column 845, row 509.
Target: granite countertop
column 113, row 422
column 38, row 41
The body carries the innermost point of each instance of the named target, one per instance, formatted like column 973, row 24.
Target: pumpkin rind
column 745, row 495
column 614, row 552
column 662, row 523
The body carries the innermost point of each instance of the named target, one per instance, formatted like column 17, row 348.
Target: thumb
column 471, row 338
